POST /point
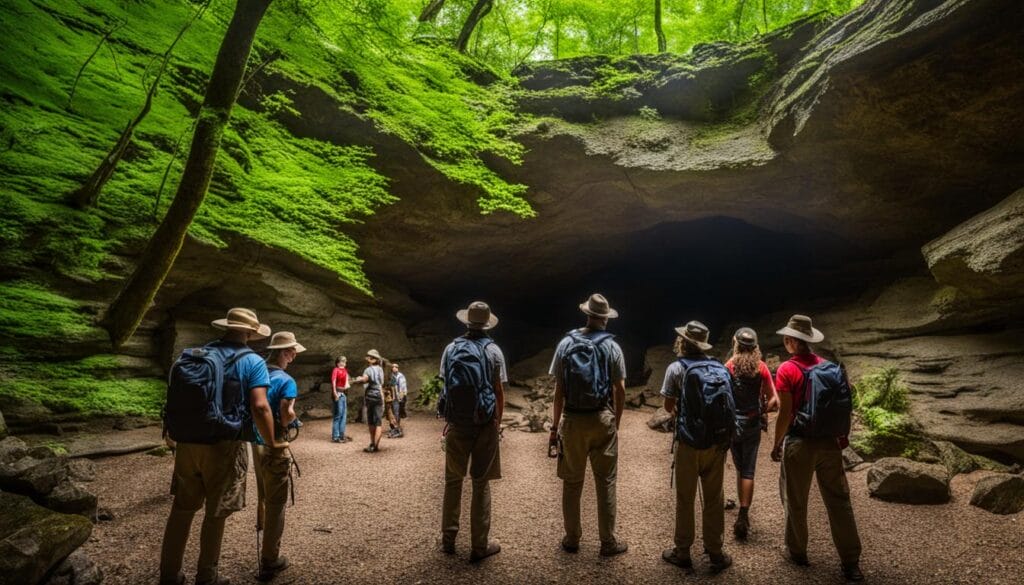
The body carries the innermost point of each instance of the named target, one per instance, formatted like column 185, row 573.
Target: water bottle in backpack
column 205, row 404
column 707, row 412
column 827, row 402
column 468, row 397
column 585, row 373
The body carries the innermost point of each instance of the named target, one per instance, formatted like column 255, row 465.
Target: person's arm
column 263, row 416
column 334, row 384
column 556, row 415
column 499, row 395
column 619, row 399
column 782, row 423
column 768, row 393
column 287, row 411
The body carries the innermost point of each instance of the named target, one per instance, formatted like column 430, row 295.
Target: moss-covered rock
column 33, row 539
column 999, row 494
column 955, row 459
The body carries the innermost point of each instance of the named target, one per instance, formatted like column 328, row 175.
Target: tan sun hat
column 284, row 340
column 243, row 320
column 799, row 326
column 597, row 306
column 696, row 333
column 374, row 354
column 477, row 316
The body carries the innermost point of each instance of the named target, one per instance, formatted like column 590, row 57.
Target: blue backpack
column 468, row 396
column 585, row 371
column 707, row 412
column 827, row 404
column 204, row 405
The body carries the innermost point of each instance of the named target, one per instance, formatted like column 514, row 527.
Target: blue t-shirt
column 250, row 370
column 282, row 387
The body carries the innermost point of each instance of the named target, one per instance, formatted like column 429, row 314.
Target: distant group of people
column 385, row 396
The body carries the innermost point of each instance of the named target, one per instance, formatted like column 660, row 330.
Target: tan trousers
column 706, row 466
column 271, row 467
column 213, row 475
column 589, row 436
column 476, row 449
column 801, row 459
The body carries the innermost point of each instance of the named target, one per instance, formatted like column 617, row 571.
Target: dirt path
column 383, row 513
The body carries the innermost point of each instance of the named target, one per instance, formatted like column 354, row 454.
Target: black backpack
column 468, row 395
column 707, row 412
column 827, row 402
column 585, row 371
column 204, row 405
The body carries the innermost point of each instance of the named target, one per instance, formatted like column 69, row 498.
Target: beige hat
column 243, row 320
column 799, row 326
column 284, row 340
column 477, row 316
column 696, row 333
column 374, row 354
column 597, row 306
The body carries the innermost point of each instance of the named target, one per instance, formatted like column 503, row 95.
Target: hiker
column 211, row 459
column 810, row 436
column 373, row 378
column 339, row 394
column 273, row 464
column 590, row 392
column 400, row 389
column 754, row 396
column 698, row 389
column 389, row 399
column 472, row 403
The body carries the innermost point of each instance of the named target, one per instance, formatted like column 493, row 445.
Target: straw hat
column 746, row 337
column 285, row 340
column 696, row 333
column 477, row 316
column 240, row 319
column 597, row 306
column 799, row 326
column 374, row 354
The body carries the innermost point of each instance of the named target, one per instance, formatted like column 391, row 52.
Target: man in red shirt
column 339, row 394
column 803, row 457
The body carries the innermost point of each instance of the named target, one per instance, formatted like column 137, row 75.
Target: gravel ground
column 362, row 518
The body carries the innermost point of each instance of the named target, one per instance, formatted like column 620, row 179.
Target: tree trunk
column 662, row 43
column 479, row 11
column 431, row 10
column 131, row 304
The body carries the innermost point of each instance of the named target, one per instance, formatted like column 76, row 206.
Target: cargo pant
column 272, row 466
column 477, row 449
column 213, row 475
column 589, row 436
column 801, row 459
column 706, row 466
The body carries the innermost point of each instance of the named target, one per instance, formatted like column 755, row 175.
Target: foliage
column 881, row 403
column 882, row 389
column 430, row 391
column 29, row 310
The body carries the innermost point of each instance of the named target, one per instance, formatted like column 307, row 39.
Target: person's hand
column 773, row 405
column 777, row 453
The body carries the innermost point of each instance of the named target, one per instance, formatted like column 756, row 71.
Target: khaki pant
column 389, row 412
column 706, row 466
column 271, row 467
column 213, row 475
column 801, row 459
column 474, row 448
column 589, row 436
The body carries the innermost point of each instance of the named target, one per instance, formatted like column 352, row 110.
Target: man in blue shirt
column 273, row 463
column 214, row 474
column 401, row 389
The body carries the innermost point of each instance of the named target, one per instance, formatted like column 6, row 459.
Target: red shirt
column 789, row 378
column 339, row 378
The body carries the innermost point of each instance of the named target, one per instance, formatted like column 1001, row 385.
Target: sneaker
column 569, row 546
column 741, row 527
column 335, row 440
column 492, row 549
column 370, row 449
column 851, row 572
column 614, row 548
column 720, row 562
column 671, row 555
column 269, row 570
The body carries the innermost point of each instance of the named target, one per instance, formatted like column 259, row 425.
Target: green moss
column 887, row 430
column 29, row 310
column 882, row 391
column 430, row 390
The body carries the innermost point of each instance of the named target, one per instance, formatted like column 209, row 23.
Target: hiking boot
column 492, row 549
column 218, row 580
column 569, row 546
column 610, row 549
column 270, row 569
column 179, row 580
column 798, row 559
column 448, row 545
column 851, row 572
column 671, row 555
column 741, row 527
column 720, row 562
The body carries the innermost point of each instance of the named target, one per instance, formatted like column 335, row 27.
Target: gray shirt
column 375, row 379
column 494, row 357
column 616, row 361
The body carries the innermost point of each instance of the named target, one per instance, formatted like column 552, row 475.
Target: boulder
column 12, row 449
column 851, row 459
column 71, row 497
column 34, row 540
column 538, row 416
column 32, row 476
column 895, row 479
column 77, row 569
column 81, row 470
column 661, row 421
column 955, row 459
column 999, row 494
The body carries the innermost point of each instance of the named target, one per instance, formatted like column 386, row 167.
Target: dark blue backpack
column 707, row 412
column 204, row 405
column 468, row 396
column 827, row 402
column 585, row 371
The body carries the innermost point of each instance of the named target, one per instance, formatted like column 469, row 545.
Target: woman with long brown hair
column 754, row 394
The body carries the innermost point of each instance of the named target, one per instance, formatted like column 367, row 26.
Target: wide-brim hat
column 374, row 354
column 285, row 340
column 746, row 337
column 696, row 333
column 477, row 316
column 800, row 327
column 597, row 306
column 240, row 319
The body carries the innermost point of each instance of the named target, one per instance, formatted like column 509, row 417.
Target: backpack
column 203, row 404
column 585, row 371
column 468, row 395
column 707, row 412
column 827, row 404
